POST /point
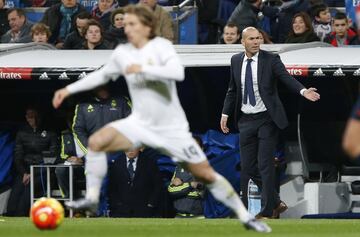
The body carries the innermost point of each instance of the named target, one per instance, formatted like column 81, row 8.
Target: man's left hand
column 311, row 94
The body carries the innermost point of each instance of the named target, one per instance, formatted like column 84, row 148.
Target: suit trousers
column 258, row 140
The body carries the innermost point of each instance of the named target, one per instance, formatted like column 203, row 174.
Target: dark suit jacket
column 131, row 199
column 270, row 70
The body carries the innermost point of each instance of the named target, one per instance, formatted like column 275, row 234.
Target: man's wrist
column 302, row 91
column 224, row 115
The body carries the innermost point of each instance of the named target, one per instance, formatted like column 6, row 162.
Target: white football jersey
column 155, row 102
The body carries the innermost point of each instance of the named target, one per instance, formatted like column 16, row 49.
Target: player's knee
column 95, row 143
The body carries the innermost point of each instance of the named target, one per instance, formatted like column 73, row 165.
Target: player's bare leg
column 105, row 140
column 222, row 190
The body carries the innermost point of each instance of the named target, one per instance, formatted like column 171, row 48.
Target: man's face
column 135, row 31
column 31, row 117
column 231, row 35
column 16, row 21
column 132, row 154
column 119, row 20
column 105, row 4
column 80, row 25
column 150, row 3
column 93, row 34
column 340, row 27
column 69, row 3
column 2, row 4
column 40, row 37
column 251, row 42
column 324, row 16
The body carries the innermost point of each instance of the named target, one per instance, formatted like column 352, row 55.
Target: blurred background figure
column 32, row 141
column 76, row 39
column 20, row 27
column 61, row 20
column 134, row 186
column 302, row 30
column 231, row 34
column 115, row 34
column 4, row 23
column 93, row 34
column 342, row 34
column 40, row 33
column 102, row 12
column 165, row 27
column 186, row 192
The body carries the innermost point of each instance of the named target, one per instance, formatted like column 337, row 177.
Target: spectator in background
column 187, row 192
column 246, row 14
column 116, row 34
column 231, row 34
column 38, row 3
column 68, row 155
column 102, row 12
column 134, row 186
column 4, row 23
column 31, row 141
column 40, row 33
column 61, row 20
column 302, row 30
column 342, row 33
column 100, row 110
column 322, row 21
column 20, row 27
column 76, row 40
column 264, row 37
column 165, row 27
column 93, row 34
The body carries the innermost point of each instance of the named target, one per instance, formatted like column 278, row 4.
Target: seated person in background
column 342, row 33
column 69, row 156
column 187, row 192
column 231, row 34
column 115, row 34
column 38, row 3
column 264, row 38
column 165, row 27
column 20, row 27
column 31, row 141
column 75, row 40
column 134, row 186
column 93, row 34
column 4, row 23
column 102, row 11
column 302, row 30
column 61, row 20
column 40, row 33
column 322, row 20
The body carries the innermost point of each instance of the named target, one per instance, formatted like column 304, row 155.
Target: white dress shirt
column 259, row 106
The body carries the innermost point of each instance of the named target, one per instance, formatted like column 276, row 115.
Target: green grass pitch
column 107, row 227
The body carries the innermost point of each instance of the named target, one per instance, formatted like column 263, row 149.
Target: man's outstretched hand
column 59, row 97
column 311, row 94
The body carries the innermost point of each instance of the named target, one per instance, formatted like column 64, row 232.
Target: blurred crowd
column 69, row 24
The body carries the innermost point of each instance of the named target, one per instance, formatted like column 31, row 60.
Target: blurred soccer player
column 151, row 68
column 351, row 140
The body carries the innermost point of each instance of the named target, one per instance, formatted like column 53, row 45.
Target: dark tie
column 249, row 88
column 131, row 169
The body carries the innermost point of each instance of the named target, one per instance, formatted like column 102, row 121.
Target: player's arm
column 110, row 70
column 351, row 139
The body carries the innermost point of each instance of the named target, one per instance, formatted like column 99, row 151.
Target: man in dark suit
column 134, row 186
column 253, row 100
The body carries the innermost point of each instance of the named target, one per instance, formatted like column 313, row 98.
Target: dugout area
column 29, row 74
